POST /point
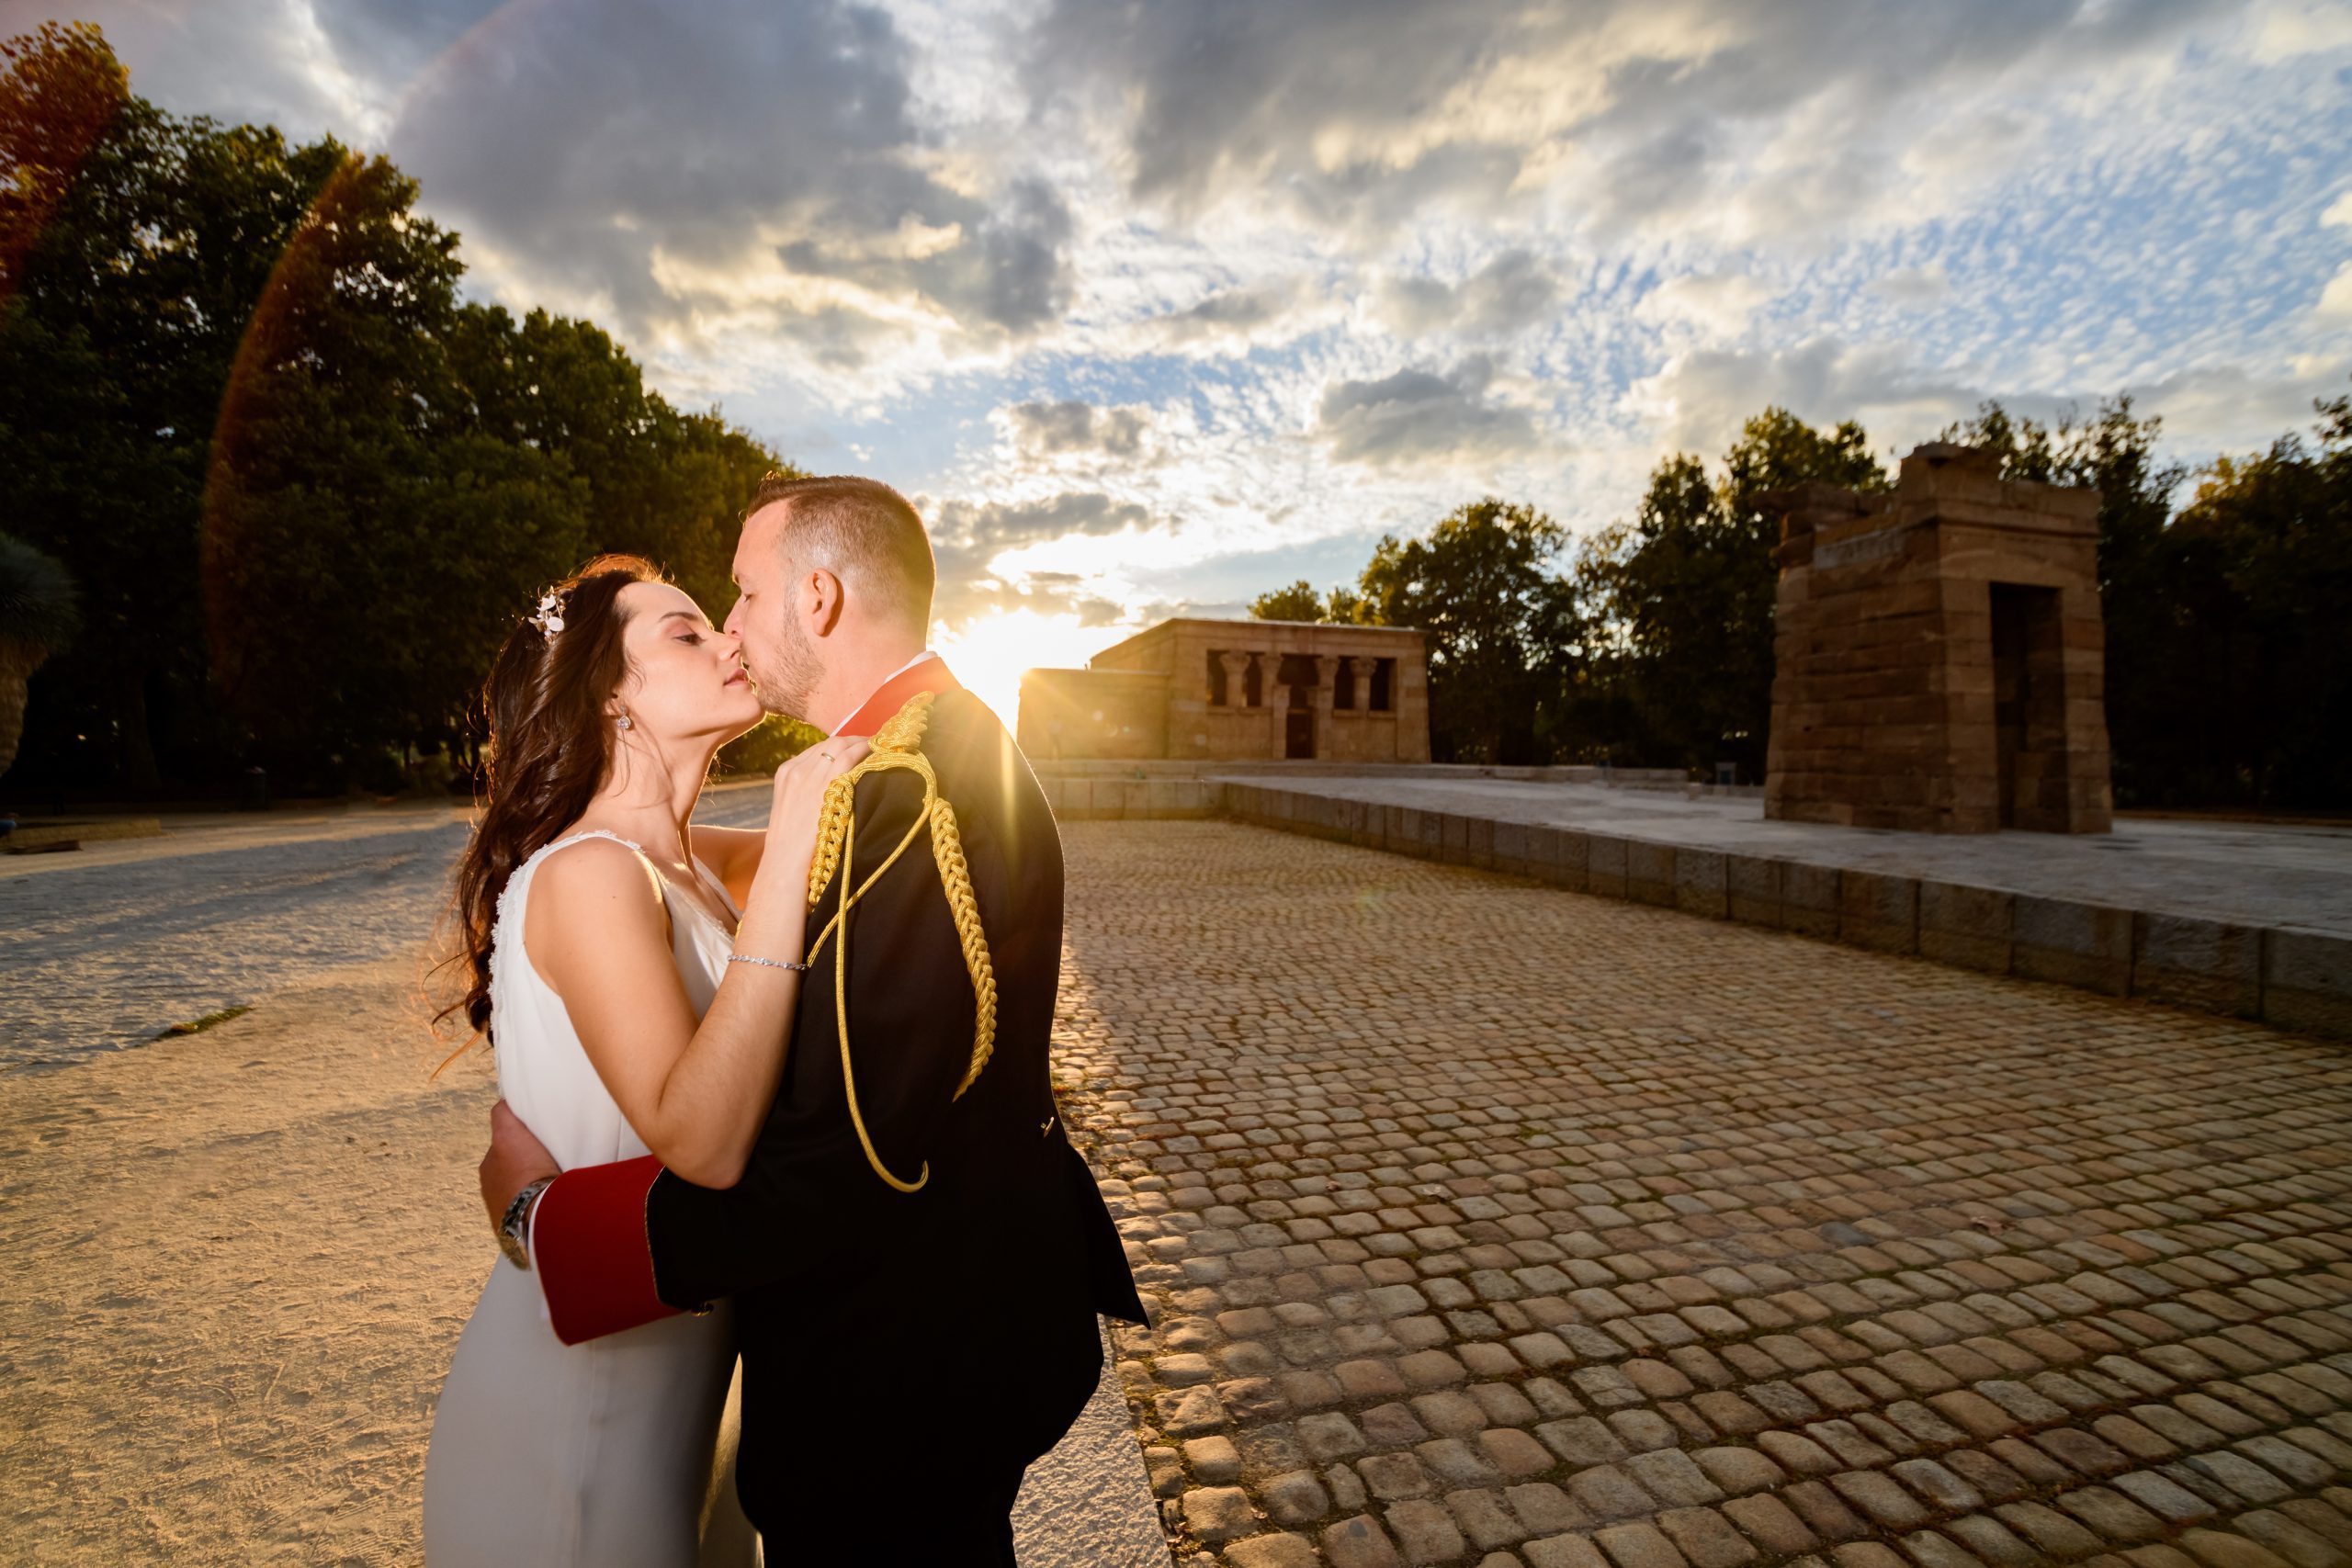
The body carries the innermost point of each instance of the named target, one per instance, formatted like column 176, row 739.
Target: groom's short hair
column 860, row 529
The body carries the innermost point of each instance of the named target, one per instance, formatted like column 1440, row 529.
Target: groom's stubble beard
column 786, row 688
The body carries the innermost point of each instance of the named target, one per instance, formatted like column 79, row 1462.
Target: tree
column 1346, row 607
column 1299, row 602
column 365, row 540
column 38, row 616
column 1340, row 606
column 242, row 364
column 1499, row 624
column 2257, row 573
column 62, row 90
column 124, row 308
column 660, row 483
column 1681, row 599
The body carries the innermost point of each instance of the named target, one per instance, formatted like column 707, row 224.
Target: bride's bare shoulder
column 593, row 904
column 590, row 882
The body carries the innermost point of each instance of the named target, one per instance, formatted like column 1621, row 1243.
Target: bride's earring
column 622, row 721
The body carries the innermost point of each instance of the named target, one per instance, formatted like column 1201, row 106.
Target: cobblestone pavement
column 1485, row 1223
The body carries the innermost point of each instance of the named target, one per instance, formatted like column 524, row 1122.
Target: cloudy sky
column 1154, row 306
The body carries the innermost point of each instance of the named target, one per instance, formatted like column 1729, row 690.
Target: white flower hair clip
column 549, row 616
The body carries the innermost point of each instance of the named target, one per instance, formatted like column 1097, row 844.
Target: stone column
column 1326, row 691
column 1362, row 667
column 1237, row 678
column 1276, row 698
column 1271, row 692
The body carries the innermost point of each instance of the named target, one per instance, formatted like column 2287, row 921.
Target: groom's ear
column 824, row 599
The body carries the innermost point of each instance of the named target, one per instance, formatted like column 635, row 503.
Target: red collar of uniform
column 930, row 676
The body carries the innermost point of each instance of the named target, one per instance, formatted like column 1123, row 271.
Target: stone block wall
column 1252, row 690
column 1938, row 656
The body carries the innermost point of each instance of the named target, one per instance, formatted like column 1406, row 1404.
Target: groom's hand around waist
column 516, row 1159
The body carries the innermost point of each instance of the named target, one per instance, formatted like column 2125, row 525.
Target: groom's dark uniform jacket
column 915, row 1346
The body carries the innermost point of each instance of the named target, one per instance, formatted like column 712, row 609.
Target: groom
column 906, row 1353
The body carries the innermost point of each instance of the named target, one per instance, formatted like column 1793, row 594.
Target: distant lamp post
column 39, row 615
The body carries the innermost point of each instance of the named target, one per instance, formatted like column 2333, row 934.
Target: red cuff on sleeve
column 594, row 1261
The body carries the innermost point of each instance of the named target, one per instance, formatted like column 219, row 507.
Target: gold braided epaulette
column 896, row 745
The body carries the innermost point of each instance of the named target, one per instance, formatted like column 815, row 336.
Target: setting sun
column 989, row 653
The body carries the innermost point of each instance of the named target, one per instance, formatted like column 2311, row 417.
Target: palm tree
column 38, row 616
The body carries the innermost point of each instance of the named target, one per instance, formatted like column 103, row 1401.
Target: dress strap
column 583, row 836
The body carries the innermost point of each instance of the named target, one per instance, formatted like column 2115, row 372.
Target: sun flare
column 989, row 652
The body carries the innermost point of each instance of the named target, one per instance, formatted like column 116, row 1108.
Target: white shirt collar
column 885, row 680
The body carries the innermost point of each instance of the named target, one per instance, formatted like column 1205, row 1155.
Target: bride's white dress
column 618, row 1451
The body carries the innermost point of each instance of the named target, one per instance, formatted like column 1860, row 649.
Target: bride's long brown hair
column 550, row 748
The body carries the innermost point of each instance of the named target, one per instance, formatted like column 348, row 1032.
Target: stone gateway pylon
column 1938, row 655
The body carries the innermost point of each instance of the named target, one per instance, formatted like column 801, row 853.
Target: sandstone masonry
column 1939, row 662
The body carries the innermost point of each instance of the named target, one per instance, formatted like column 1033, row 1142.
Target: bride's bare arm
column 696, row 1094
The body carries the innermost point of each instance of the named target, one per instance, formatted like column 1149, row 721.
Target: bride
column 621, row 1028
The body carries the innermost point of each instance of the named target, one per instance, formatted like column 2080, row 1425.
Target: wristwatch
column 514, row 1230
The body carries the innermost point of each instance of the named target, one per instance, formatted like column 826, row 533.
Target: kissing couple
column 780, row 1093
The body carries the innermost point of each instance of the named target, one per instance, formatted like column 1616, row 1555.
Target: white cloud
column 741, row 168
column 1043, row 429
column 1162, row 305
column 1718, row 305
column 1418, row 416
column 1698, row 403
column 2286, row 28
column 1516, row 290
column 1915, row 285
column 2335, row 300
column 2231, row 408
column 1699, row 400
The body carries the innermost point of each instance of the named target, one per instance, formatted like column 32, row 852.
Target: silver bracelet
column 771, row 963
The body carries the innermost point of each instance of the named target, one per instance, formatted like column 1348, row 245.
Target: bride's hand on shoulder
column 801, row 787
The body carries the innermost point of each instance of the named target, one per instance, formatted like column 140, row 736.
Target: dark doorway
column 2029, row 707
column 1298, row 732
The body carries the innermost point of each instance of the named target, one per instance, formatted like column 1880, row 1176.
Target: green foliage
column 1498, row 621
column 38, row 607
column 209, row 1020
column 2250, row 698
column 61, row 89
column 776, row 741
column 306, row 492
column 1299, row 602
column 1342, row 606
column 1678, row 665
column 1346, row 607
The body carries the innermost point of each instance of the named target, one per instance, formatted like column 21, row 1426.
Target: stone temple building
column 1939, row 657
column 1237, row 690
